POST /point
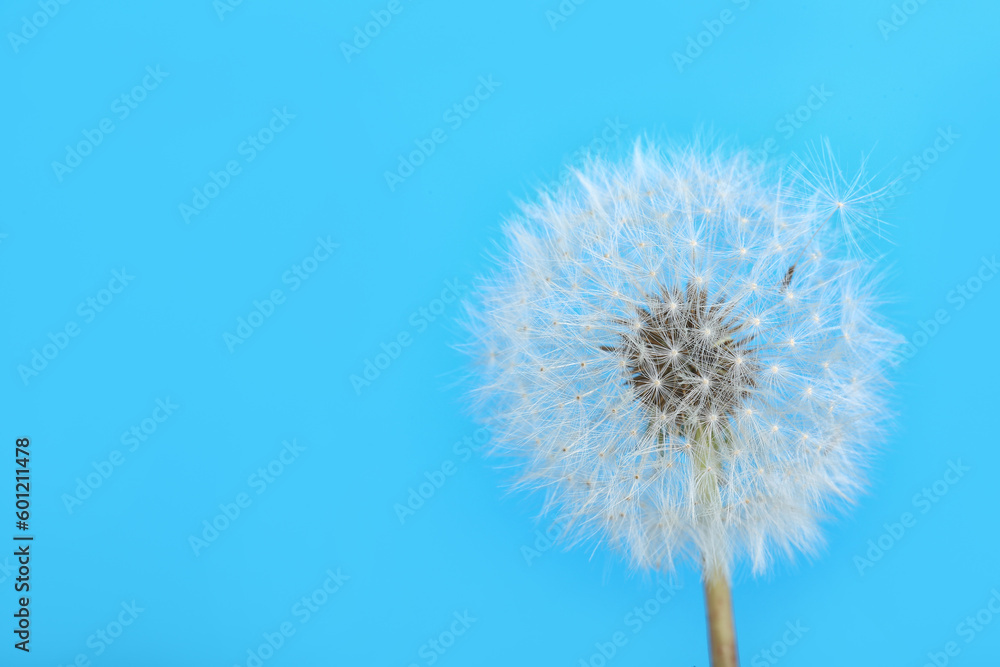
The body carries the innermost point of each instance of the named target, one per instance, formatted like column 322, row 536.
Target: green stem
column 718, row 597
column 721, row 628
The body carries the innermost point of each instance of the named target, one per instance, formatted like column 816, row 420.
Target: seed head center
column 688, row 361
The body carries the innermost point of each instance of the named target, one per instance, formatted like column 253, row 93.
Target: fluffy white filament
column 549, row 325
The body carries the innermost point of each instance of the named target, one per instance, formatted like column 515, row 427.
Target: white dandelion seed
column 683, row 354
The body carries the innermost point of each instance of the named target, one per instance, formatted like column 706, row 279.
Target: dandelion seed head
column 710, row 338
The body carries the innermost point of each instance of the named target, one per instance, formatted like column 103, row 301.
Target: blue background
column 561, row 84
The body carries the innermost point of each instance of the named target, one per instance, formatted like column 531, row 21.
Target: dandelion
column 685, row 356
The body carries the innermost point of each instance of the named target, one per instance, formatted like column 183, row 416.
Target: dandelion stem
column 718, row 598
column 721, row 628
